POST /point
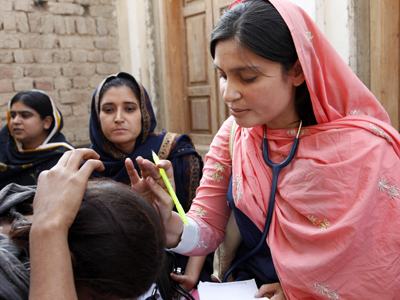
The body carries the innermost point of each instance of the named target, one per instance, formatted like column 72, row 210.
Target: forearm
column 51, row 266
column 173, row 230
column 194, row 266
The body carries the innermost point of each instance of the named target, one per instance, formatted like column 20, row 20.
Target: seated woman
column 122, row 124
column 88, row 240
column 32, row 140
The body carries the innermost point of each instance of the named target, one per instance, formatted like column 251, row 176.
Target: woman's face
column 255, row 89
column 120, row 117
column 27, row 126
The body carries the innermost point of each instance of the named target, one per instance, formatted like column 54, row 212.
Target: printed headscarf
column 178, row 148
column 24, row 166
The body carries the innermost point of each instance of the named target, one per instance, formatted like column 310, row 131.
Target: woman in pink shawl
column 334, row 229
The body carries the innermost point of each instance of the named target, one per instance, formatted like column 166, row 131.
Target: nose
column 16, row 119
column 229, row 91
column 119, row 116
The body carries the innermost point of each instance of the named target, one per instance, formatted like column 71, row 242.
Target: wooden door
column 218, row 7
column 385, row 55
column 200, row 91
column 190, row 80
column 206, row 110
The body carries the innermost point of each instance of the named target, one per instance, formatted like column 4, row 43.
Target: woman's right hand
column 162, row 200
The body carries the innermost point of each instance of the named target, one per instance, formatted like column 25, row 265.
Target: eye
column 248, row 80
column 107, row 109
column 130, row 108
column 26, row 115
column 221, row 75
column 12, row 115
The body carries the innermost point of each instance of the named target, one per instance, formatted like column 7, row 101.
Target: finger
column 79, row 155
column 162, row 196
column 88, row 168
column 132, row 173
column 62, row 162
column 167, row 166
column 280, row 296
column 269, row 290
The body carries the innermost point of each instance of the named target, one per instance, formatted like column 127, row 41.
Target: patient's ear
column 297, row 72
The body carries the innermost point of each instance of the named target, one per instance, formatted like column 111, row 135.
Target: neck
column 33, row 145
column 128, row 148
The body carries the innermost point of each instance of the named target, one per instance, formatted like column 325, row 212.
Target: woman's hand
column 58, row 198
column 273, row 291
column 186, row 281
column 152, row 186
column 60, row 190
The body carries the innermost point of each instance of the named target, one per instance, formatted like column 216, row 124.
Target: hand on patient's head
column 60, row 189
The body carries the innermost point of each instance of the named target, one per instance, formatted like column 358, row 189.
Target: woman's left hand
column 273, row 291
column 148, row 168
column 60, row 189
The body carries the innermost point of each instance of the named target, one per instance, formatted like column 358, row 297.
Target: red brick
column 65, row 8
column 6, row 86
column 6, row 57
column 38, row 70
column 22, row 22
column 22, row 56
column 44, row 84
column 78, row 69
column 107, row 69
column 23, row 84
column 11, row 72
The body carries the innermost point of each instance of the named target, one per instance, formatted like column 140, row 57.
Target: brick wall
column 64, row 47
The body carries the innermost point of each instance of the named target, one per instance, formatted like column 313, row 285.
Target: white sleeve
column 189, row 239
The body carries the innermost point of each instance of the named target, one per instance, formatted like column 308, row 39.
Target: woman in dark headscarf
column 32, row 140
column 122, row 124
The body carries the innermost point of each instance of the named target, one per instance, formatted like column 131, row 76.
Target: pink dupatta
column 334, row 231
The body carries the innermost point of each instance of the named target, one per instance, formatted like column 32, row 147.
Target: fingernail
column 150, row 180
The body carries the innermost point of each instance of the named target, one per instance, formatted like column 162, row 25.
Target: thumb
column 163, row 198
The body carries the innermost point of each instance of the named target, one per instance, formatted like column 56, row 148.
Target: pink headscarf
column 334, row 231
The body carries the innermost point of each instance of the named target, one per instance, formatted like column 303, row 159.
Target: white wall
column 334, row 18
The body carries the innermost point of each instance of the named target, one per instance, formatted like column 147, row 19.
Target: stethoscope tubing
column 276, row 168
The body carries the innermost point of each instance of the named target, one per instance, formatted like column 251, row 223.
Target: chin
column 246, row 123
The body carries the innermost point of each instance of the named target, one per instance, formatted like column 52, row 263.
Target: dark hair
column 258, row 26
column 37, row 100
column 120, row 81
column 116, row 240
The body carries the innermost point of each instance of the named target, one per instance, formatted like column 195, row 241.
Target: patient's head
column 116, row 242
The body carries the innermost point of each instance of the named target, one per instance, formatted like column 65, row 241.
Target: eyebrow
column 238, row 69
column 20, row 111
column 125, row 102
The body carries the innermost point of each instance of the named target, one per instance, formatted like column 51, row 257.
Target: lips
column 17, row 130
column 120, row 130
column 237, row 112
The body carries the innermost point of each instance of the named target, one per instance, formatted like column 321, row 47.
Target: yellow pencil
column 171, row 190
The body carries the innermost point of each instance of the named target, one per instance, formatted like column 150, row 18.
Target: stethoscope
column 276, row 168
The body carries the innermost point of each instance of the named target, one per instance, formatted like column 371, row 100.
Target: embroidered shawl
column 178, row 148
column 24, row 166
column 334, row 231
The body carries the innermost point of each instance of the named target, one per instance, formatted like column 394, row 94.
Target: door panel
column 199, row 75
column 191, row 81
